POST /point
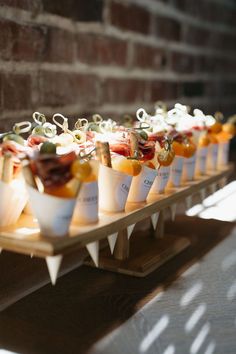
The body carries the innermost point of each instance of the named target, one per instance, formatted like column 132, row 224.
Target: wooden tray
column 24, row 237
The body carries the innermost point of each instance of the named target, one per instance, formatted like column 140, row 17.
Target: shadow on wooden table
column 87, row 303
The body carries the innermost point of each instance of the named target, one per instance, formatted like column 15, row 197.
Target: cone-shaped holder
column 53, row 264
column 176, row 171
column 93, row 249
column 212, row 156
column 141, row 185
column 161, row 180
column 86, row 208
column 188, row 202
column 113, row 188
column 201, row 160
column 53, row 214
column 13, row 200
column 154, row 218
column 112, row 241
column 173, row 211
column 223, row 154
column 130, row 230
column 189, row 168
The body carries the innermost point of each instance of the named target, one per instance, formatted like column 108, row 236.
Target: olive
column 143, row 134
column 14, row 137
column 93, row 127
column 48, row 148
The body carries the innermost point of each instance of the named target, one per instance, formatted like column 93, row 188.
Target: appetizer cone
column 189, row 168
column 86, row 209
column 13, row 200
column 161, row 180
column 53, row 213
column 201, row 160
column 223, row 153
column 176, row 171
column 141, row 185
column 113, row 189
column 212, row 156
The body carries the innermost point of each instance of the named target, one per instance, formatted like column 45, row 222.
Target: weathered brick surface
column 83, row 56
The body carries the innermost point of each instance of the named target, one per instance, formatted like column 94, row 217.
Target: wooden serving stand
column 137, row 256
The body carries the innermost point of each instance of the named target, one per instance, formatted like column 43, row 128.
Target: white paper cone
column 212, row 156
column 213, row 188
column 130, row 229
column 141, row 184
column 161, row 180
column 93, row 249
column 173, row 211
column 13, row 200
column 86, row 208
column 53, row 264
column 176, row 171
column 112, row 241
column 201, row 160
column 188, row 202
column 0, row 250
column 53, row 214
column 189, row 168
column 223, row 154
column 113, row 189
column 154, row 218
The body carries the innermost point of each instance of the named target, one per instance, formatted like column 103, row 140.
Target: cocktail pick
column 154, row 218
column 130, row 229
column 79, row 136
column 93, row 249
column 188, row 202
column 173, row 211
column 112, row 241
column 53, row 264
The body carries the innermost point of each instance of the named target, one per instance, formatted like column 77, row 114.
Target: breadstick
column 7, row 168
column 103, row 153
column 98, row 150
column 134, row 147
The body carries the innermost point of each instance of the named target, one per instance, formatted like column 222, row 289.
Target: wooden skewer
column 134, row 147
column 7, row 168
column 104, row 153
column 28, row 174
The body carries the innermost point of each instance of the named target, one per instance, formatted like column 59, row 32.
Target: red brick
column 167, row 28
column 132, row 18
column 124, row 91
column 6, row 39
column 28, row 42
column 31, row 5
column 161, row 90
column 78, row 10
column 16, row 91
column 101, row 50
column 183, row 63
column 193, row 89
column 197, row 36
column 61, row 88
column 60, row 46
column 145, row 56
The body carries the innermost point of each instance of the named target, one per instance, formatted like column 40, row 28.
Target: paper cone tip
column 130, row 229
column 93, row 249
column 53, row 264
column 154, row 218
column 31, row 255
column 173, row 211
column 112, row 241
column 0, row 250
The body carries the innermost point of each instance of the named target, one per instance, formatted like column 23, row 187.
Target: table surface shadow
column 87, row 304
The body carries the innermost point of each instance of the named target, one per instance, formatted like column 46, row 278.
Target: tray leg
column 121, row 251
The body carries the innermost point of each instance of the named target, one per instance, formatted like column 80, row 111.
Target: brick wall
column 112, row 56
